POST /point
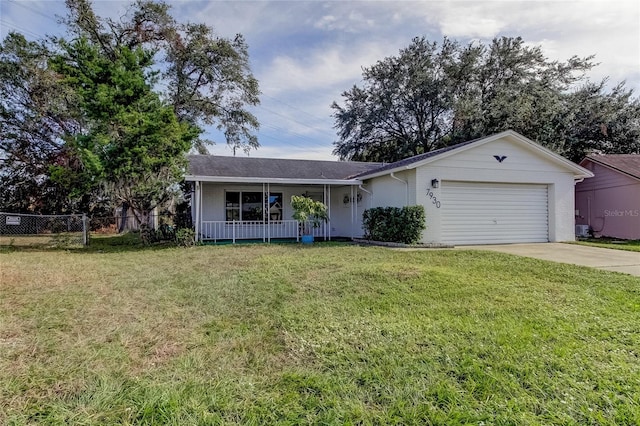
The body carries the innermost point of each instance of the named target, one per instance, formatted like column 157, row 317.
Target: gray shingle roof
column 282, row 168
column 626, row 163
column 415, row 158
column 274, row 168
column 214, row 166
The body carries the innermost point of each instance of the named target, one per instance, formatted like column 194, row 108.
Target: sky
column 305, row 54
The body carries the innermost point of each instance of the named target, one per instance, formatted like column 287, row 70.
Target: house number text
column 434, row 199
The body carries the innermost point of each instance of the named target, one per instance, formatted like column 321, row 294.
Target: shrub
column 183, row 215
column 308, row 212
column 399, row 225
column 185, row 237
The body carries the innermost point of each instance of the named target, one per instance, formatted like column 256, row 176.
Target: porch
column 234, row 212
column 213, row 230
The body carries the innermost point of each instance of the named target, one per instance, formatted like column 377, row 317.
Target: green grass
column 329, row 334
column 628, row 245
column 42, row 241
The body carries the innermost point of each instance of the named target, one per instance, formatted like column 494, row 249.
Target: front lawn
column 330, row 334
column 628, row 245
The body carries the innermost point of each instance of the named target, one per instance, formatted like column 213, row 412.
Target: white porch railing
column 214, row 230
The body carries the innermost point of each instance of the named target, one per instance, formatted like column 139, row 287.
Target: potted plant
column 309, row 214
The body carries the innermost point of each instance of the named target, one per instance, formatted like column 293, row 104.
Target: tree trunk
column 123, row 217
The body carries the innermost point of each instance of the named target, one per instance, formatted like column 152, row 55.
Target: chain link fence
column 70, row 231
column 44, row 230
column 105, row 224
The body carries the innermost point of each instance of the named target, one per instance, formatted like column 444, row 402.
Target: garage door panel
column 477, row 213
column 494, row 213
column 536, row 232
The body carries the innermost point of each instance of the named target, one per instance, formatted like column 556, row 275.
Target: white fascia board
column 282, row 181
column 595, row 161
column 436, row 157
column 578, row 171
column 387, row 172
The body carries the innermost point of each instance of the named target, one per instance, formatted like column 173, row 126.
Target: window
column 251, row 206
column 315, row 196
column 275, row 206
column 248, row 206
column 232, row 204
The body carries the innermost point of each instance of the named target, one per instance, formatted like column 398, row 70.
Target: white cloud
column 354, row 17
column 455, row 24
column 610, row 30
column 326, row 22
column 326, row 67
column 273, row 149
column 353, row 22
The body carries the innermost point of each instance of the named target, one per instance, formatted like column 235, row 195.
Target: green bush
column 398, row 225
column 185, row 237
column 308, row 212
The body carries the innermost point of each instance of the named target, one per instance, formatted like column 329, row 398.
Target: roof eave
column 385, row 172
column 578, row 171
column 282, row 181
column 610, row 167
column 437, row 156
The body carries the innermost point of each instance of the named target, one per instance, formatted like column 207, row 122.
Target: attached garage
column 494, row 213
column 500, row 189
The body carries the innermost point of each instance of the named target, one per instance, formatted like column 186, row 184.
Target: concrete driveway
column 627, row 262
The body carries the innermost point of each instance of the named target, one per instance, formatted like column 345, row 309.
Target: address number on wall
column 433, row 198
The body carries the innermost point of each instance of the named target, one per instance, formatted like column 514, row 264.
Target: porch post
column 268, row 212
column 352, row 214
column 264, row 231
column 324, row 225
column 196, row 208
column 329, row 208
column 355, row 203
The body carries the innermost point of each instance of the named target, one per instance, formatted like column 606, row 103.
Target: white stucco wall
column 346, row 217
column 477, row 164
column 389, row 192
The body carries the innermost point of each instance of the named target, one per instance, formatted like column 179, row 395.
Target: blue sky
column 306, row 53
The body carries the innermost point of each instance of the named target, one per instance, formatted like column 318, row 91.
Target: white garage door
column 494, row 213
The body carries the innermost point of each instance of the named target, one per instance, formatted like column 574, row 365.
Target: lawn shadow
column 112, row 243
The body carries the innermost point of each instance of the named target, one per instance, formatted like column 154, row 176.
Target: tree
column 35, row 115
column 107, row 114
column 132, row 145
column 432, row 96
column 509, row 85
column 601, row 122
column 208, row 78
column 404, row 107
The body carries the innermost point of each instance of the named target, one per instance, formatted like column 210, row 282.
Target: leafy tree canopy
column 34, row 116
column 108, row 112
column 207, row 78
column 132, row 145
column 434, row 95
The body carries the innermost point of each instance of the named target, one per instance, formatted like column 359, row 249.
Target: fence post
column 85, row 230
